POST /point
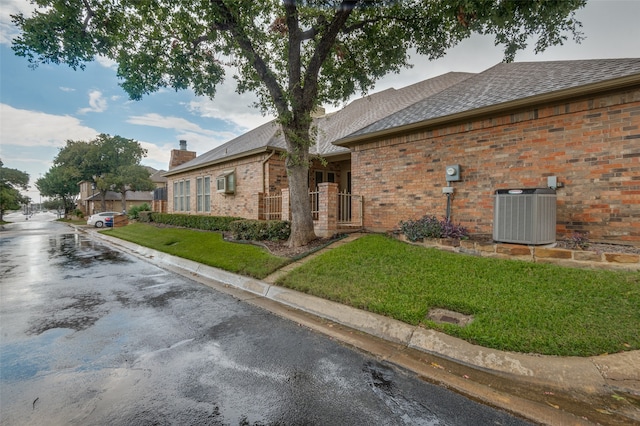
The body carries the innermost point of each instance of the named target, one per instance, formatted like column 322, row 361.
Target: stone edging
column 539, row 254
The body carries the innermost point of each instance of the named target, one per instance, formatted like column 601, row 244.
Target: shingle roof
column 370, row 109
column 130, row 196
column 331, row 127
column 504, row 83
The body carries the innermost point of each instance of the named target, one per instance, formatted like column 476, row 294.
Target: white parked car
column 101, row 219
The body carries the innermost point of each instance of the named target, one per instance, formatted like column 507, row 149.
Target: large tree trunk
column 103, row 200
column 298, row 141
column 301, row 220
column 124, row 201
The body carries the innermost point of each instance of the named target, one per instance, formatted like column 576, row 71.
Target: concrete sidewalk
column 610, row 384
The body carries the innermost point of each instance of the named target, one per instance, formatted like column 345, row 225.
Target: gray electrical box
column 525, row 216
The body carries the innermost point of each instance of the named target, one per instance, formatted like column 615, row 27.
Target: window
column 181, row 196
column 175, row 197
column 207, row 194
column 226, row 182
column 203, row 194
column 187, row 195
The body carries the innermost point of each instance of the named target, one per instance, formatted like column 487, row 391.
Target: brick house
column 512, row 126
column 234, row 178
column 90, row 202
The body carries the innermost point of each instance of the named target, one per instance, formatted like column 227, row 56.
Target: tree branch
column 229, row 23
column 90, row 14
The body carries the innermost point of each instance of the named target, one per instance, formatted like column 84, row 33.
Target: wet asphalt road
column 91, row 336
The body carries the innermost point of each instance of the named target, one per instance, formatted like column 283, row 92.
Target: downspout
column 264, row 173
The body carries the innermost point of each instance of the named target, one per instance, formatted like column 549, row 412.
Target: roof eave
column 222, row 160
column 603, row 86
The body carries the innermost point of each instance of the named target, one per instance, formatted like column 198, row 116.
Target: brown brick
column 587, row 256
column 552, row 253
column 513, row 250
column 622, row 258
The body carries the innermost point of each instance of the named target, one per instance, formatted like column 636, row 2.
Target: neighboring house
column 517, row 125
column 90, row 201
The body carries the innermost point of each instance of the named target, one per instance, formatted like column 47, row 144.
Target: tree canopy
column 109, row 162
column 295, row 55
column 11, row 182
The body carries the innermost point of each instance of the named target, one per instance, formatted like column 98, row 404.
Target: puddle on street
column 75, row 251
column 25, row 359
column 380, row 379
column 79, row 314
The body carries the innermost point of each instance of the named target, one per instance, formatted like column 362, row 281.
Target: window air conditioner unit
column 226, row 182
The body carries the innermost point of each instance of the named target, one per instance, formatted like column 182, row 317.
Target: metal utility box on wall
column 525, row 216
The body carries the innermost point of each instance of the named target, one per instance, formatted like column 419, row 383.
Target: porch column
column 327, row 223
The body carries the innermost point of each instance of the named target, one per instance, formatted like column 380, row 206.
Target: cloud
column 30, row 139
column 33, row 128
column 11, row 7
column 96, row 103
column 199, row 139
column 178, row 124
column 230, row 106
column 67, row 89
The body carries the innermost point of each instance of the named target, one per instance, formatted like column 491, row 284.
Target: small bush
column 261, row 230
column 431, row 227
column 207, row 223
column 145, row 216
column 134, row 212
column 78, row 213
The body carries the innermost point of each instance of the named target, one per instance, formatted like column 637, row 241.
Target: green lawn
column 518, row 306
column 204, row 247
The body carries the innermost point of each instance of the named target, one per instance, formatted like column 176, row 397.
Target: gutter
column 574, row 92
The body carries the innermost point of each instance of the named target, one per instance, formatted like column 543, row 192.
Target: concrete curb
column 600, row 375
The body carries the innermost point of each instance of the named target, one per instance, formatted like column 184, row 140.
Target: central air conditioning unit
column 525, row 216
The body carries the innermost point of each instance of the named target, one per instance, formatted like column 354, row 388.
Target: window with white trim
column 181, row 196
column 203, row 194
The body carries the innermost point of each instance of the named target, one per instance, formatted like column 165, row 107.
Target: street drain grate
column 445, row 316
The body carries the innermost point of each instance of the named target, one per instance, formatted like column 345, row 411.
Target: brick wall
column 249, row 175
column 592, row 145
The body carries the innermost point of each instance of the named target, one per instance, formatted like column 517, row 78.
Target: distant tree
column 11, row 182
column 294, row 54
column 60, row 183
column 110, row 156
column 100, row 161
column 130, row 178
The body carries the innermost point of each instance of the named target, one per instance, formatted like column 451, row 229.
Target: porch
column 332, row 211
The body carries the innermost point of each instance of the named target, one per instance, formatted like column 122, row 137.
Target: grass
column 517, row 306
column 204, row 247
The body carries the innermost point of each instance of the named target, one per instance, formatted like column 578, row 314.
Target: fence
column 272, row 206
column 349, row 210
column 314, row 198
column 330, row 209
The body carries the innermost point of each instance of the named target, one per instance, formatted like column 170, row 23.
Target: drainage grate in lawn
column 449, row 317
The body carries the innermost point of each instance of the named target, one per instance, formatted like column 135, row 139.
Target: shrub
column 78, row 213
column 208, row 223
column 579, row 241
column 134, row 212
column 431, row 227
column 260, row 230
column 145, row 216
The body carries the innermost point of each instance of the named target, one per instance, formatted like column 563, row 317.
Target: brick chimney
column 181, row 156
